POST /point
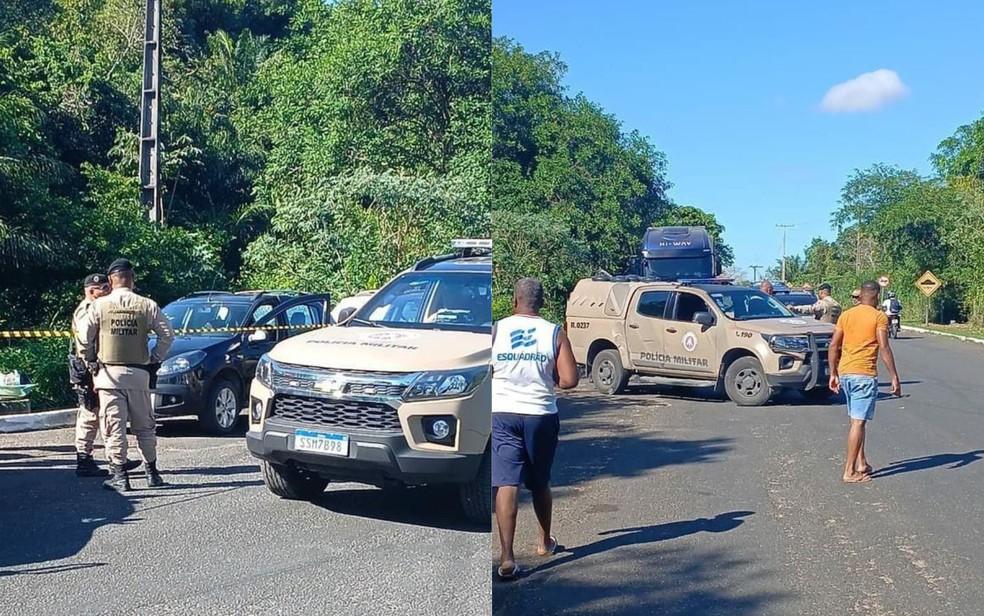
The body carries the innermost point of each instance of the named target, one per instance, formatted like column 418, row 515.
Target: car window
column 299, row 316
column 261, row 311
column 202, row 315
column 433, row 300
column 688, row 305
column 653, row 304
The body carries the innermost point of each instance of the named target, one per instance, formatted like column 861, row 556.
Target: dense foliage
column 574, row 192
column 306, row 144
column 323, row 145
column 894, row 222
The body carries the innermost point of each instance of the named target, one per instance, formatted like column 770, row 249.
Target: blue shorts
column 523, row 448
column 861, row 393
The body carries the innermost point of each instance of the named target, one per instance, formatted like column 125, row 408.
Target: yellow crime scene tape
column 46, row 333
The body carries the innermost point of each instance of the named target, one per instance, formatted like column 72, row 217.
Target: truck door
column 644, row 326
column 689, row 346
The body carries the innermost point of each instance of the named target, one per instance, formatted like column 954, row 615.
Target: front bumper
column 811, row 372
column 375, row 459
column 178, row 396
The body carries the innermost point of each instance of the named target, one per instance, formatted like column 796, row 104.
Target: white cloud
column 866, row 92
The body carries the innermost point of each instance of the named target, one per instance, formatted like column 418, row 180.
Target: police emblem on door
column 690, row 342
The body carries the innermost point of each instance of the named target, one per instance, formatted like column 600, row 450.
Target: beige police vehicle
column 699, row 333
column 397, row 394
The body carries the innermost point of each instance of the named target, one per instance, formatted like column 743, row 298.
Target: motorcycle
column 894, row 325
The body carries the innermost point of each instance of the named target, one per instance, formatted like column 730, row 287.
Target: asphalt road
column 673, row 503
column 216, row 542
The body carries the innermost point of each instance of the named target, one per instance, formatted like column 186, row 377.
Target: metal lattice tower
column 150, row 115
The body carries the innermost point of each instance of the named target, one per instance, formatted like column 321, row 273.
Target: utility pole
column 150, row 115
column 755, row 272
column 784, row 228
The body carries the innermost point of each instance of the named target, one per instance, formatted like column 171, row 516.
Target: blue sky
column 732, row 92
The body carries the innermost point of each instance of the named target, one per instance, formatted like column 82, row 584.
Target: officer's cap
column 120, row 265
column 95, row 280
column 825, row 287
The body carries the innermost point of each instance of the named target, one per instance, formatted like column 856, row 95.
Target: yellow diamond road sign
column 928, row 283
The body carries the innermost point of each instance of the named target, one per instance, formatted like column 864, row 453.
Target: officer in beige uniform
column 87, row 421
column 826, row 309
column 115, row 336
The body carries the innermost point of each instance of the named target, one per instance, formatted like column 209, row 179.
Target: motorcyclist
column 892, row 308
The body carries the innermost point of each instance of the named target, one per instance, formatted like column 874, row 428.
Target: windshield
column 748, row 304
column 432, row 300
column 204, row 314
column 679, row 268
column 796, row 299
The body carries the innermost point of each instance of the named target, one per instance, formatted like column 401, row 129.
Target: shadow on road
column 594, row 444
column 182, row 427
column 633, row 573
column 721, row 523
column 48, row 514
column 428, row 506
column 955, row 460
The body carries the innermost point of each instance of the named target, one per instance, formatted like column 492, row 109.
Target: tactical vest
column 76, row 345
column 832, row 310
column 123, row 330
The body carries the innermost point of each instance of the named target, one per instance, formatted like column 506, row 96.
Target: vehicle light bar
column 471, row 243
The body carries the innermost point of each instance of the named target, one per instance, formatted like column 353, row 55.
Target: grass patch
column 960, row 329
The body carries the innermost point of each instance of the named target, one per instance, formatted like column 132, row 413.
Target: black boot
column 129, row 465
column 153, row 476
column 120, row 481
column 85, row 466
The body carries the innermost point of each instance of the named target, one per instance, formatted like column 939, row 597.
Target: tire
column 476, row 495
column 746, row 383
column 820, row 393
column 607, row 373
column 223, row 404
column 288, row 482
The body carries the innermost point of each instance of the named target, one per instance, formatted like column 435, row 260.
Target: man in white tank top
column 530, row 358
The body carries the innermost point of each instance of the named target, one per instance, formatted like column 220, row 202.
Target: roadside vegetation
column 894, row 222
column 310, row 145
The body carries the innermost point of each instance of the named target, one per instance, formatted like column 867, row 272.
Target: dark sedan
column 208, row 371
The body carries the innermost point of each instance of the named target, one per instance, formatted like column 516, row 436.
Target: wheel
column 746, row 383
column 288, row 482
column 476, row 495
column 820, row 393
column 221, row 410
column 608, row 374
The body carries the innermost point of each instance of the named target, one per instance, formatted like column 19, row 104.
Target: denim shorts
column 523, row 448
column 861, row 392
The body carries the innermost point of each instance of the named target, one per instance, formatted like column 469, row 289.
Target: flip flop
column 863, row 479
column 510, row 575
column 551, row 550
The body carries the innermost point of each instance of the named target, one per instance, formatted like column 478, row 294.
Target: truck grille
column 343, row 414
column 823, row 342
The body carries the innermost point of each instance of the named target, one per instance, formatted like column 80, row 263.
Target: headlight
column 446, row 384
column 181, row 363
column 264, row 371
column 788, row 344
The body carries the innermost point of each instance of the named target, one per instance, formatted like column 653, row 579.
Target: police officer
column 826, row 309
column 115, row 335
column 87, row 421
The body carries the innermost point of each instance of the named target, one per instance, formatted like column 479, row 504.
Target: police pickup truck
column 698, row 334
column 397, row 394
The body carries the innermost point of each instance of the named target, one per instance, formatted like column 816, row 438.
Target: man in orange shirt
column 860, row 337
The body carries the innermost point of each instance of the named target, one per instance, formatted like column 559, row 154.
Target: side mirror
column 259, row 335
column 345, row 314
column 703, row 318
